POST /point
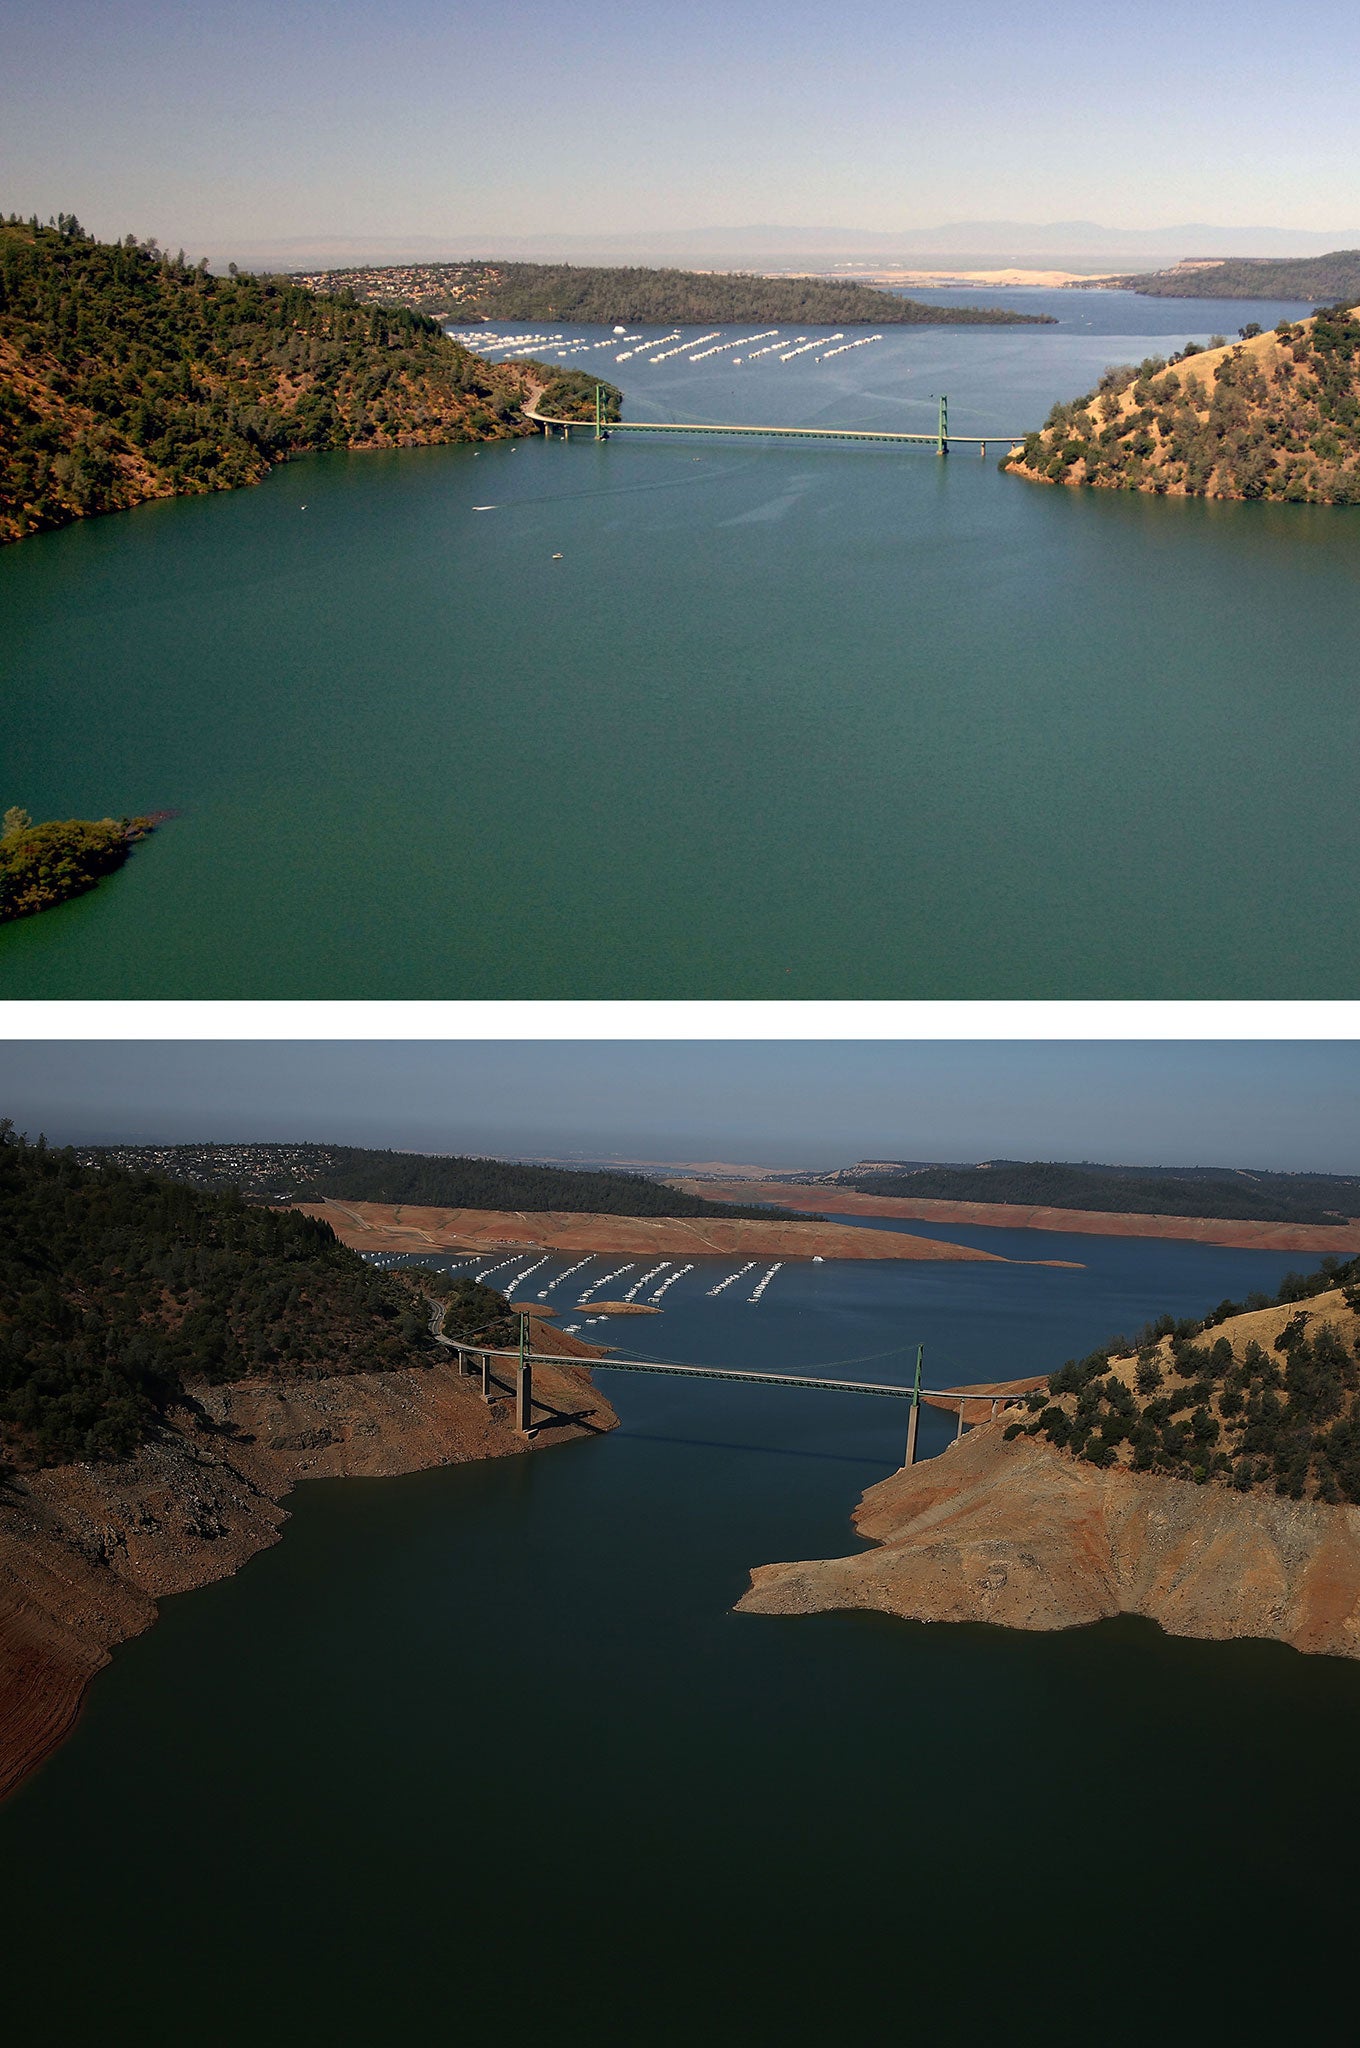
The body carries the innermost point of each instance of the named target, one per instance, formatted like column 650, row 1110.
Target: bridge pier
column 959, row 1431
column 914, row 1412
column 524, row 1383
column 486, row 1375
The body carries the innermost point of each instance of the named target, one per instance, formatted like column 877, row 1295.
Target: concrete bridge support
column 524, row 1383
column 914, row 1412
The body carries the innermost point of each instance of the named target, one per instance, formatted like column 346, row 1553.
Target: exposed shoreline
column 402, row 1227
column 1245, row 1235
column 1020, row 1533
column 87, row 1551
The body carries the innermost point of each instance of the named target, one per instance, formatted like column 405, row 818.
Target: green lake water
column 483, row 1754
column 784, row 720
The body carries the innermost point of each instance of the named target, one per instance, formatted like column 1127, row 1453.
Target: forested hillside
column 1272, row 416
column 127, row 374
column 1321, row 279
column 602, row 297
column 358, row 1174
column 119, row 1291
column 1131, row 1191
column 1249, row 1397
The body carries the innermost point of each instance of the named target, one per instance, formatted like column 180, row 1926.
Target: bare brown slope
column 1021, row 1534
column 1017, row 1534
column 1276, row 1237
column 86, row 1551
column 382, row 1226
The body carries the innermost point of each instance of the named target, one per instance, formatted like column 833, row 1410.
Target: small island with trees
column 127, row 373
column 43, row 865
column 599, row 296
column 1274, row 415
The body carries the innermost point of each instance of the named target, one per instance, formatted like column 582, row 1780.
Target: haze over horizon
column 1269, row 1105
column 417, row 127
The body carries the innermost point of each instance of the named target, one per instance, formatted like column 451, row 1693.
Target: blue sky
column 221, row 126
column 1265, row 1104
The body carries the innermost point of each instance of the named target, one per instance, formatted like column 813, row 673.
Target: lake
column 484, row 1752
column 784, row 720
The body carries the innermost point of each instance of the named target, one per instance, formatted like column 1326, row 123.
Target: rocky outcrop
column 1017, row 1533
column 86, row 1551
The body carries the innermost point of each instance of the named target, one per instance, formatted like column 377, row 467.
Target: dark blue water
column 484, row 1752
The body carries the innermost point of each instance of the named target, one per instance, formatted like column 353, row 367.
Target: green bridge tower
column 914, row 1412
column 942, row 438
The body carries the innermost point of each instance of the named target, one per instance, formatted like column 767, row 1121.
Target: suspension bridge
column 602, row 429
column 990, row 1398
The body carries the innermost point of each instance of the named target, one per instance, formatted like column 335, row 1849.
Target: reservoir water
column 706, row 719
column 483, row 1753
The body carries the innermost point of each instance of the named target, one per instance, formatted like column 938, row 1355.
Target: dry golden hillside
column 1268, row 1398
column 1275, row 415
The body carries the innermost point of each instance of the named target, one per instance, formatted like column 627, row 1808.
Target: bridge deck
column 728, row 1372
column 569, row 427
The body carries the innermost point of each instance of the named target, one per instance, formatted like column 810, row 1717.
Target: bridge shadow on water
column 567, row 1418
column 706, row 1443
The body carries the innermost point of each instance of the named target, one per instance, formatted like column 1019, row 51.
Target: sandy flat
column 384, row 1227
column 1025, row 279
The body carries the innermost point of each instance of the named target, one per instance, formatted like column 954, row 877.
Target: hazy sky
column 218, row 125
column 1284, row 1105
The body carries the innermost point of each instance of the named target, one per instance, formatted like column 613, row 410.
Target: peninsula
column 43, row 865
column 171, row 1364
column 1316, row 1213
column 1273, row 416
column 603, row 297
column 383, row 1201
column 1321, row 279
column 360, row 1173
column 127, row 374
column 1207, row 1476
